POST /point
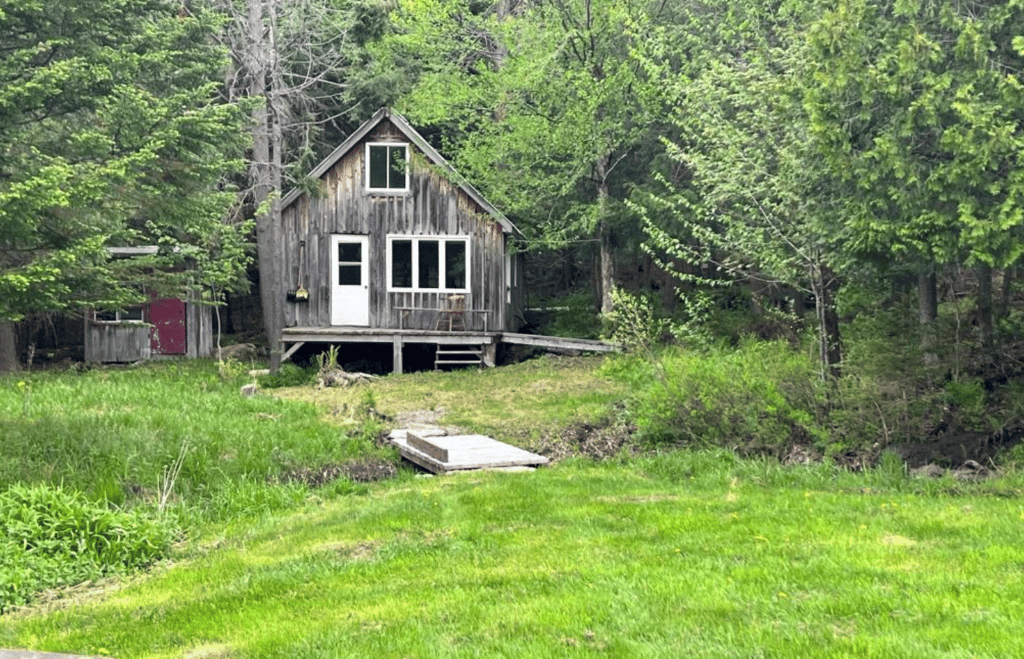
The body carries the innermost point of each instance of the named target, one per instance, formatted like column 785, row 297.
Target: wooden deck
column 293, row 338
column 443, row 454
column 298, row 336
column 340, row 334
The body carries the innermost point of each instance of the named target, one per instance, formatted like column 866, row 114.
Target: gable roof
column 410, row 133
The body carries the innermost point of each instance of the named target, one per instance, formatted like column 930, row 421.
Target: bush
column 52, row 537
column 759, row 398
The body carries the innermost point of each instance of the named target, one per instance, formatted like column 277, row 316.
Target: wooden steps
column 458, row 356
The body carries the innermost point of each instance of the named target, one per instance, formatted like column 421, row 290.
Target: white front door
column 350, row 288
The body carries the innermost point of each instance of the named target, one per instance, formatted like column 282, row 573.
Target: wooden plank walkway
column 558, row 342
column 442, row 454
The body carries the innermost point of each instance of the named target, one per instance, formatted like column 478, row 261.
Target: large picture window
column 387, row 167
column 435, row 263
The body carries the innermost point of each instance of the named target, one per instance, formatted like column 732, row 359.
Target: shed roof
column 410, row 133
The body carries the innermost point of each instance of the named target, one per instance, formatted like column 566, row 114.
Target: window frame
column 366, row 168
column 121, row 315
column 441, row 259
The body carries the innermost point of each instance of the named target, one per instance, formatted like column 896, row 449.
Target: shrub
column 52, row 537
column 757, row 398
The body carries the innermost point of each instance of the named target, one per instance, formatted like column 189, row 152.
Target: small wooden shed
column 397, row 247
column 161, row 327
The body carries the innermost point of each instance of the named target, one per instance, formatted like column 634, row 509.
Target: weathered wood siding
column 117, row 341
column 431, row 207
column 198, row 330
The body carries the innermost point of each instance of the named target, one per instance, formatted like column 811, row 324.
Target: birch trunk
column 829, row 339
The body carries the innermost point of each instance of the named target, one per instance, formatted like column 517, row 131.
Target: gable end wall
column 431, row 207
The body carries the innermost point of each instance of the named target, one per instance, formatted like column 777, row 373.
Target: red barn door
column 168, row 319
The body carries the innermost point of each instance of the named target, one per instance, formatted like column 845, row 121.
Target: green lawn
column 685, row 554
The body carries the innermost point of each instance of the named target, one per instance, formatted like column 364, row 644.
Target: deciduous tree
column 291, row 58
column 540, row 104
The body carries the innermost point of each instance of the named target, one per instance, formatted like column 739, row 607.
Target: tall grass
column 113, row 434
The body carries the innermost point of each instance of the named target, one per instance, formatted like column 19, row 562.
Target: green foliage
column 633, row 324
column 327, row 361
column 573, row 316
column 744, row 203
column 918, row 106
column 113, row 135
column 289, row 375
column 968, row 399
column 761, row 397
column 53, row 537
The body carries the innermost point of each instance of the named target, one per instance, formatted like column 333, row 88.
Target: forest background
column 844, row 176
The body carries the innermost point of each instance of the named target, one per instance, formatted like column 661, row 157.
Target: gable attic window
column 436, row 263
column 386, row 167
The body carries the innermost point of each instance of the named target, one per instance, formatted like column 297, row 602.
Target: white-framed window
column 131, row 313
column 387, row 167
column 428, row 263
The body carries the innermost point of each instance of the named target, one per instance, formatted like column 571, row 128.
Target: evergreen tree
column 111, row 133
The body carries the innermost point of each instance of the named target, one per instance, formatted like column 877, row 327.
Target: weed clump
column 52, row 537
column 289, row 375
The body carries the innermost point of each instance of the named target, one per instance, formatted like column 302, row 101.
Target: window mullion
column 415, row 264
column 442, row 266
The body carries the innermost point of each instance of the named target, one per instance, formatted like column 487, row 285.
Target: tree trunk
column 1005, row 292
column 928, row 304
column 260, row 172
column 607, row 281
column 8, row 348
column 985, row 315
column 830, row 349
column 278, row 111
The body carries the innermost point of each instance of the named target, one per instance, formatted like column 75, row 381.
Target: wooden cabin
column 396, row 247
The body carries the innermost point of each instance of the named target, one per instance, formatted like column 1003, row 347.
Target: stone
column 239, row 352
column 928, row 471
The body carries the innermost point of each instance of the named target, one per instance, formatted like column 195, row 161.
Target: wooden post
column 397, row 354
column 489, row 353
